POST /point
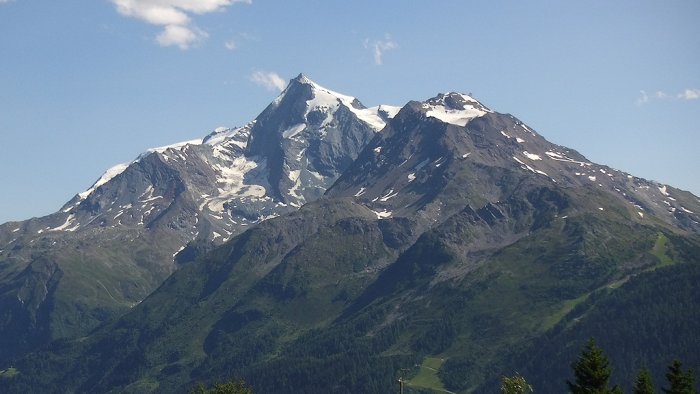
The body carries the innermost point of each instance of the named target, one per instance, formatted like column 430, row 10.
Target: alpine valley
column 329, row 247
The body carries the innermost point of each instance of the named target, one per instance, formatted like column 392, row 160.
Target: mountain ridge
column 159, row 210
column 455, row 232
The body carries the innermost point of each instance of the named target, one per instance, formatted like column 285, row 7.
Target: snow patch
column 532, row 156
column 231, row 183
column 294, row 176
column 178, row 251
column 66, row 226
column 412, row 177
column 592, row 178
column 389, row 195
column 360, row 192
column 663, row 191
column 383, row 215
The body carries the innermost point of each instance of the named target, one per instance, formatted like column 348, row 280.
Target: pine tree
column 680, row 382
column 515, row 385
column 592, row 372
column 230, row 387
column 643, row 384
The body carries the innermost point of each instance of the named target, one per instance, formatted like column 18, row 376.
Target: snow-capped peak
column 322, row 104
column 454, row 108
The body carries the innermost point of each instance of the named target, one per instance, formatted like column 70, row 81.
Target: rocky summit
column 112, row 244
column 330, row 247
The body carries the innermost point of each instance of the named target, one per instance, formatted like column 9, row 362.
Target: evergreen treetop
column 592, row 372
column 643, row 383
column 680, row 382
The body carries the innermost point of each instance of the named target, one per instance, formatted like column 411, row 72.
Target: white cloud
column 231, row 45
column 175, row 16
column 687, row 94
column 380, row 46
column 269, row 80
column 690, row 94
column 183, row 37
column 643, row 99
column 662, row 95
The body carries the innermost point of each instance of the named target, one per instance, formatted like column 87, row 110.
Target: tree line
column 592, row 372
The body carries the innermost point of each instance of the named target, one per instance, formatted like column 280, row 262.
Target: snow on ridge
column 106, row 177
column 178, row 145
column 222, row 134
column 329, row 101
column 389, row 110
column 470, row 109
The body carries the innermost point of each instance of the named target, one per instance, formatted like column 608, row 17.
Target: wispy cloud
column 231, row 45
column 6, row 1
column 687, row 94
column 378, row 47
column 175, row 17
column 238, row 41
column 269, row 80
column 643, row 98
column 690, row 94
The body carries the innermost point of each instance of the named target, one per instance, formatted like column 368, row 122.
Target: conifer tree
column 515, row 385
column 643, row 384
column 680, row 382
column 230, row 387
column 592, row 372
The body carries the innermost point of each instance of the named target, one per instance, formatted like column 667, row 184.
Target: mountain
column 457, row 238
column 111, row 245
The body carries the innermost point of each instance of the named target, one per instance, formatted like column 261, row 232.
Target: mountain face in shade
column 427, row 145
column 456, row 234
column 111, row 245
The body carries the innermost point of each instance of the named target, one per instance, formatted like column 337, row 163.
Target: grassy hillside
column 343, row 302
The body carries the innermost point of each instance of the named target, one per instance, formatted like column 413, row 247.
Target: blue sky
column 85, row 85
